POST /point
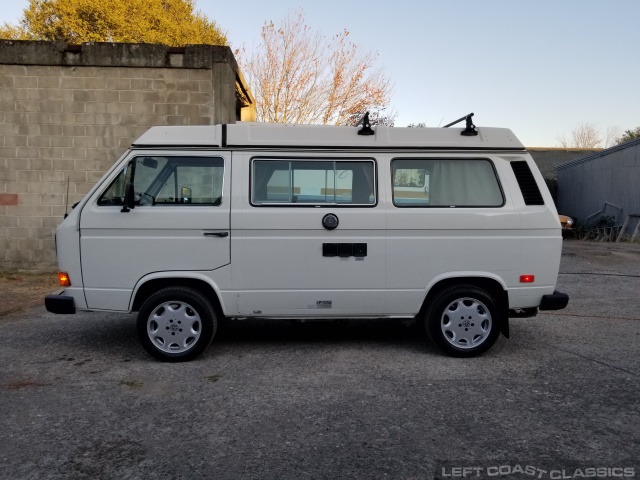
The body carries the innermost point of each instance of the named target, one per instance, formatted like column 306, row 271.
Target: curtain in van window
column 470, row 183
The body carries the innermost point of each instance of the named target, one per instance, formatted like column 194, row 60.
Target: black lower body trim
column 63, row 304
column 555, row 301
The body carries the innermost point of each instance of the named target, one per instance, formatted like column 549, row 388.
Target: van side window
column 169, row 181
column 445, row 183
column 313, row 182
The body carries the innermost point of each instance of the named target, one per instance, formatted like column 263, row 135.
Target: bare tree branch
column 298, row 76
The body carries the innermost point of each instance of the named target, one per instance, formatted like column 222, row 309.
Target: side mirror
column 185, row 195
column 129, row 198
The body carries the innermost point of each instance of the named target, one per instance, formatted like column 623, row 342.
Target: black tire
column 176, row 324
column 472, row 333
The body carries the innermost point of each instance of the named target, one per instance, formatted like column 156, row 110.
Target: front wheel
column 176, row 324
column 463, row 321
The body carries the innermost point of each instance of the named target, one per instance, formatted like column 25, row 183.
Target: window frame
column 447, row 159
column 283, row 158
column 130, row 164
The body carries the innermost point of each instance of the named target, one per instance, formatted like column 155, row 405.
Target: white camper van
column 454, row 227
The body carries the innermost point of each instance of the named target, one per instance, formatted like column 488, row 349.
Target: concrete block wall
column 68, row 113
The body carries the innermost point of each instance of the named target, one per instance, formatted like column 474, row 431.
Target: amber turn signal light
column 63, row 278
column 527, row 278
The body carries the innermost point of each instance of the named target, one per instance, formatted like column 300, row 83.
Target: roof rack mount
column 470, row 130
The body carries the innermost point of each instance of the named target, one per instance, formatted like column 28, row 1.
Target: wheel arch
column 150, row 284
column 492, row 284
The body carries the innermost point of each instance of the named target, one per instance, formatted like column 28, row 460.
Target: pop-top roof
column 270, row 135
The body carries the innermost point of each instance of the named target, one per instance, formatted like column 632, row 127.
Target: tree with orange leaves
column 171, row 22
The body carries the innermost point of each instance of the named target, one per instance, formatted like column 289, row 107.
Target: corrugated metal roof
column 603, row 153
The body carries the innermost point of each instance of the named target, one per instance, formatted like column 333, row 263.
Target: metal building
column 602, row 187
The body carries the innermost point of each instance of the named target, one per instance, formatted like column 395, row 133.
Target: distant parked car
column 566, row 221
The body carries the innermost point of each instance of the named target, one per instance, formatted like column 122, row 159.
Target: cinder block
column 74, row 153
column 61, row 141
column 120, row 84
column 177, row 120
column 71, row 83
column 129, row 96
column 8, row 221
column 52, row 222
column 49, row 81
column 8, row 128
column 7, row 81
column 29, row 199
column 51, row 106
column 141, row 84
column 18, row 255
column 199, row 74
column 52, row 199
column 95, row 83
column 28, row 175
column 107, row 96
column 50, row 152
column 64, row 118
column 200, row 99
column 29, row 222
column 27, row 152
column 84, row 95
column 27, row 82
column 97, row 107
column 27, row 105
column 177, row 97
column 51, row 130
column 8, row 152
column 84, row 142
column 205, row 86
column 7, row 106
column 38, row 71
column 73, row 130
column 38, row 141
column 141, row 108
column 31, row 129
column 39, row 164
column 165, row 109
column 63, row 164
column 119, row 108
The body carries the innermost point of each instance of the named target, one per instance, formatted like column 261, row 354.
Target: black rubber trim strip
column 224, row 135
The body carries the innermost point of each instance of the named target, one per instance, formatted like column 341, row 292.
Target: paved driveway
column 79, row 398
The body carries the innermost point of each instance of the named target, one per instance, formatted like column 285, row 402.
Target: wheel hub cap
column 466, row 323
column 174, row 327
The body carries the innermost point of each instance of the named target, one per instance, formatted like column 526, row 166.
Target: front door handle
column 216, row 234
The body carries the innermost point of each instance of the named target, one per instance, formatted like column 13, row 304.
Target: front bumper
column 556, row 301
column 59, row 303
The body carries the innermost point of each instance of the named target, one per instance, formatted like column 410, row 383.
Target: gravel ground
column 80, row 399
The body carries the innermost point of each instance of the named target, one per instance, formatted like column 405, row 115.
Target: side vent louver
column 528, row 186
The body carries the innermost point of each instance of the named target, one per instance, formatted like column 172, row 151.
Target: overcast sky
column 539, row 67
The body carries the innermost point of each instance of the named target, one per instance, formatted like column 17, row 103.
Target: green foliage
column 171, row 22
column 629, row 135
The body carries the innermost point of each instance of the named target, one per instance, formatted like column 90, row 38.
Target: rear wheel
column 176, row 324
column 463, row 321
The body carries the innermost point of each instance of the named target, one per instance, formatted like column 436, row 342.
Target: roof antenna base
column 366, row 126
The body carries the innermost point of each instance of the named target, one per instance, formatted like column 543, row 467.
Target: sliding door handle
column 216, row 234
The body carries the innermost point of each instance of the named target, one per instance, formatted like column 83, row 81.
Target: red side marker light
column 527, row 278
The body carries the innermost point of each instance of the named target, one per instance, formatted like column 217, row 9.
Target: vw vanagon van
column 453, row 227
